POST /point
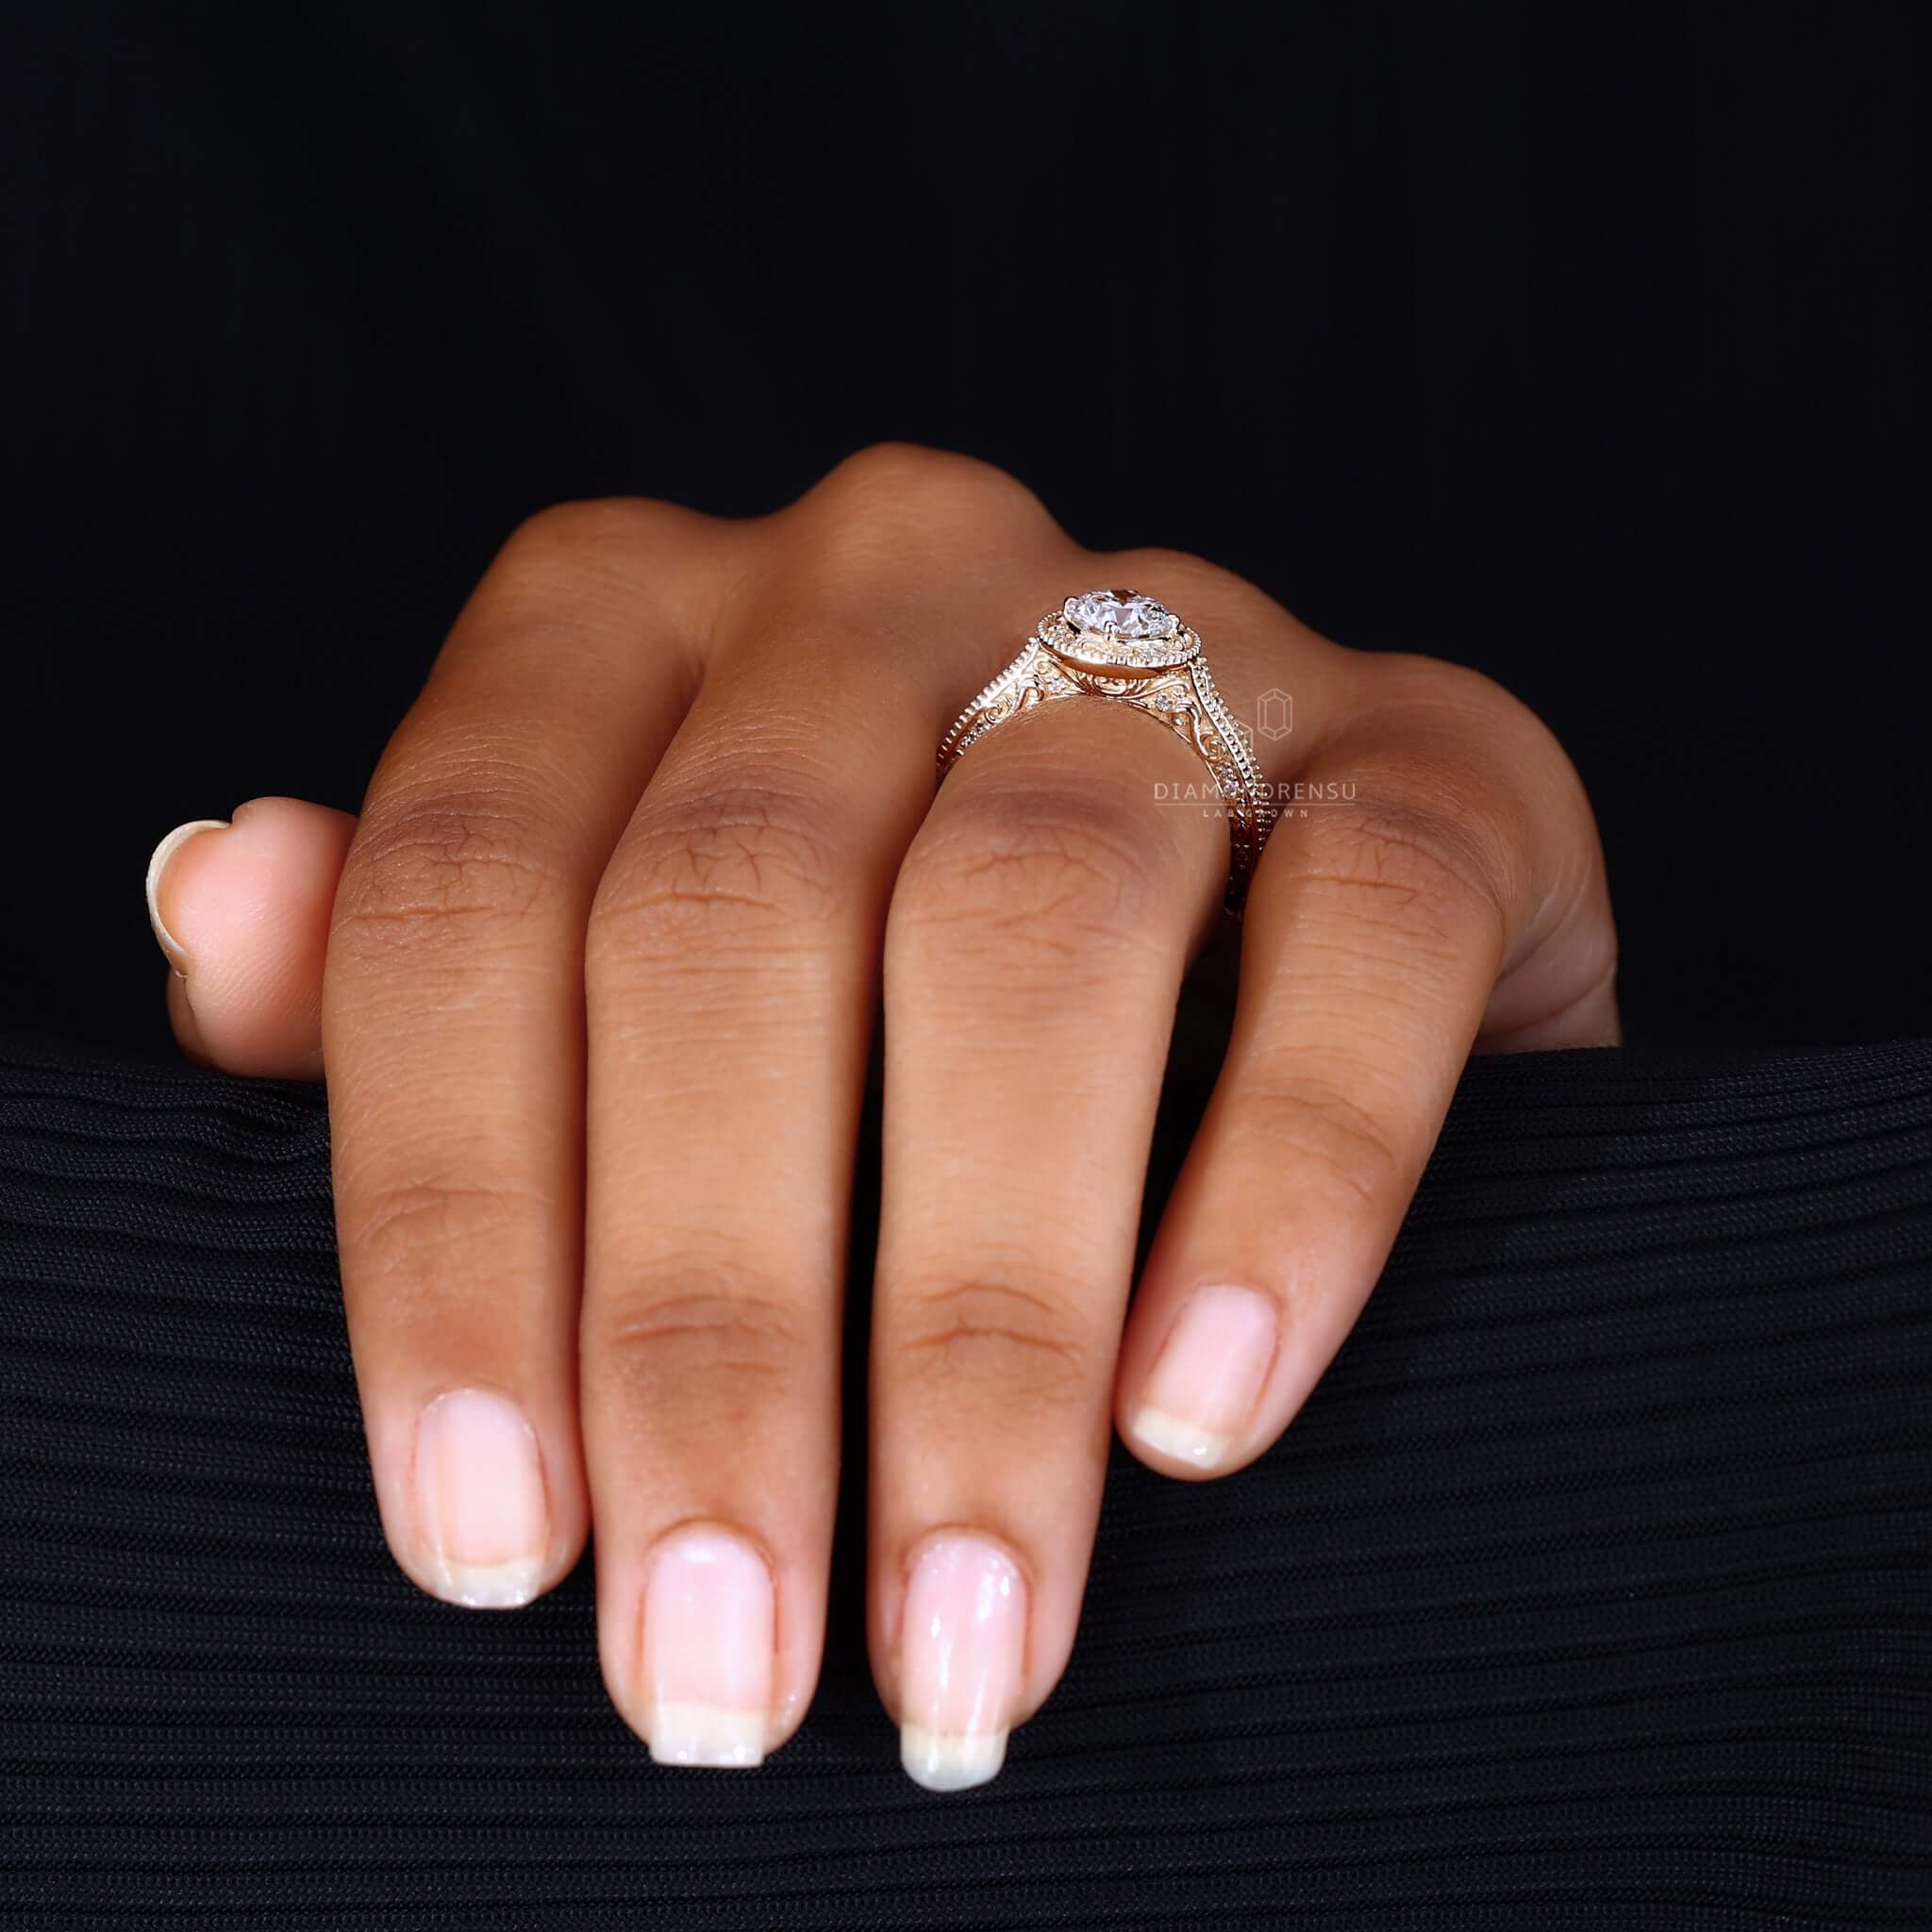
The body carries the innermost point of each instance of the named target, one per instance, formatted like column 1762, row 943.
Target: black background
column 1580, row 344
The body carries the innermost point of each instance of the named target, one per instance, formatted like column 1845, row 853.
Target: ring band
column 1127, row 648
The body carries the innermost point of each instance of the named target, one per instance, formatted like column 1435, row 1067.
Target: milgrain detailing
column 1127, row 648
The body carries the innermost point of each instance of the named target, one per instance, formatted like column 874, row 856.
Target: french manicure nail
column 710, row 1619
column 481, row 1502
column 1203, row 1386
column 156, row 866
column 960, row 1648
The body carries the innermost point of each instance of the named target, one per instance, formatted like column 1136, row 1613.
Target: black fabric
column 1594, row 1589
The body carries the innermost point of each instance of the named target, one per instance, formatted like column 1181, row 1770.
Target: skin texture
column 594, row 978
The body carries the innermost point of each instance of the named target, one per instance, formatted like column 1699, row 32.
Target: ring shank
column 1181, row 695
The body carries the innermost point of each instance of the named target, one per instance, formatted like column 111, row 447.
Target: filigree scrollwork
column 1164, row 674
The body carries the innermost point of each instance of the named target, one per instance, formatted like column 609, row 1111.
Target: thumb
column 241, row 907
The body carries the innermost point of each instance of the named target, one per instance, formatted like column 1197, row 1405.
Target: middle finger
column 730, row 991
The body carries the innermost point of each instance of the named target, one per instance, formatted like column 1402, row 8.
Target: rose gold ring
column 1127, row 648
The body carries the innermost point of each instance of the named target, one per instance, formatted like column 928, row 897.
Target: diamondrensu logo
column 1274, row 714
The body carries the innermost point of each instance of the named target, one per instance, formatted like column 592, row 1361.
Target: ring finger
column 1037, row 937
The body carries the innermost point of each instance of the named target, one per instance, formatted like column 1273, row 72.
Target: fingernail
column 158, row 865
column 481, row 1502
column 710, row 1617
column 961, row 1650
column 1198, row 1398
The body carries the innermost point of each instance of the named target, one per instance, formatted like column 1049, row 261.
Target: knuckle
column 890, row 494
column 668, row 1344
column 1211, row 596
column 1437, row 680
column 1019, row 1342
column 1413, row 868
column 1450, row 708
column 633, row 557
column 418, row 1237
column 448, row 868
column 1152, row 561
column 1185, row 576
column 731, row 870
column 895, row 467
column 591, row 530
column 1325, row 1128
column 1035, row 867
column 910, row 471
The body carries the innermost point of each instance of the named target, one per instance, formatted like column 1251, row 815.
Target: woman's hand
column 594, row 978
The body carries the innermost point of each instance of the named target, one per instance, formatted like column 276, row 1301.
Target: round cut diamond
column 1118, row 632
column 1126, row 613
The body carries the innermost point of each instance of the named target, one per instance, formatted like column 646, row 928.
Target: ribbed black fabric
column 1593, row 1590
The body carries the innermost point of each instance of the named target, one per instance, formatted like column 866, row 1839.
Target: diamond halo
column 1124, row 648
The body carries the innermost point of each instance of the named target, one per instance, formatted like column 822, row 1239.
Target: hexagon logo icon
column 1275, row 713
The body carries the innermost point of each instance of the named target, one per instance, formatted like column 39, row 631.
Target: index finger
column 453, row 1027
